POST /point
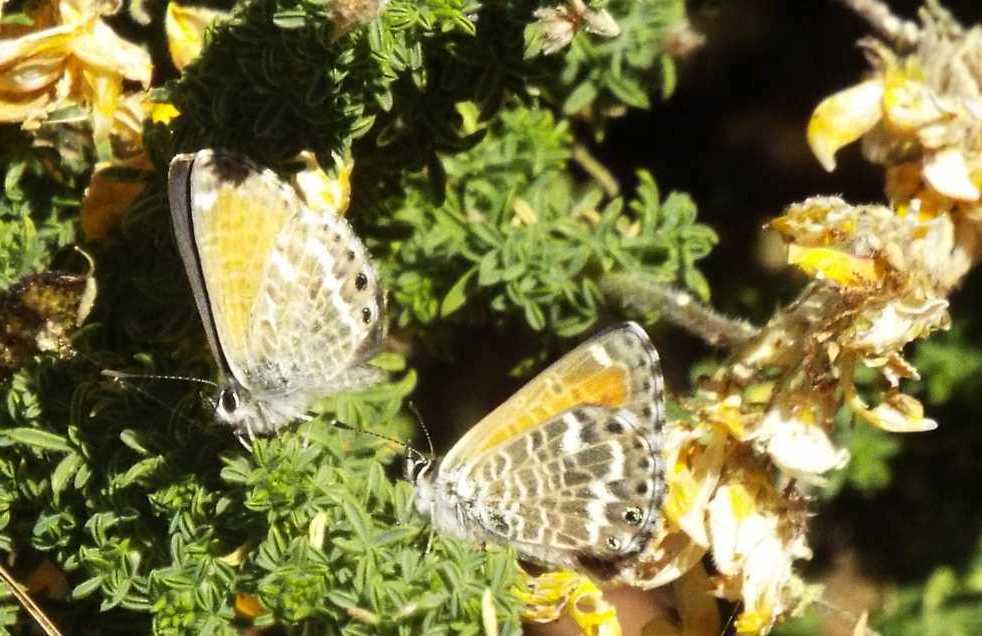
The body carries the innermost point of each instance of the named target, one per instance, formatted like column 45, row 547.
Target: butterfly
column 290, row 302
column 568, row 471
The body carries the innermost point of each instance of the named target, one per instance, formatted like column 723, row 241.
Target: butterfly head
column 418, row 466
column 234, row 407
column 255, row 414
column 419, row 470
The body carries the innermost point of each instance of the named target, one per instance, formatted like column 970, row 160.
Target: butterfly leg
column 243, row 439
column 429, row 542
column 305, row 441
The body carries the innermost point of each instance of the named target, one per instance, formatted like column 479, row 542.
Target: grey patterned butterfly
column 568, row 470
column 290, row 302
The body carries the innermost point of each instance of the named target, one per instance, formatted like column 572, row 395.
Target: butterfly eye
column 228, row 400
column 415, row 467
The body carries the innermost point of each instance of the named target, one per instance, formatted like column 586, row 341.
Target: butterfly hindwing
column 582, row 488
column 320, row 283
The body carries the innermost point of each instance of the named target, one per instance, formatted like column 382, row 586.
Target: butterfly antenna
column 123, row 375
column 348, row 427
column 28, row 603
column 426, row 432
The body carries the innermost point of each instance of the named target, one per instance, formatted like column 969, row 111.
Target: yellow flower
column 163, row 112
column 323, row 191
column 185, row 27
column 694, row 470
column 115, row 184
column 908, row 103
column 545, row 598
column 248, row 606
column 831, row 264
column 843, row 118
column 898, row 413
column 72, row 58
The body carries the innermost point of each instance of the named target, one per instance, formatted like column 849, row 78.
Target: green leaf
column 87, row 587
column 457, row 295
column 580, row 97
column 669, row 76
column 64, row 472
column 38, row 439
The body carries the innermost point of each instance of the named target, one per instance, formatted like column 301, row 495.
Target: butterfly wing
column 227, row 213
column 319, row 283
column 581, row 490
column 618, row 368
column 289, row 300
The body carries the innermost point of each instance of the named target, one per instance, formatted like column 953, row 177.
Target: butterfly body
column 576, row 479
column 290, row 302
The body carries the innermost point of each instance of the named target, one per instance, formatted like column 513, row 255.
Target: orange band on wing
column 607, row 387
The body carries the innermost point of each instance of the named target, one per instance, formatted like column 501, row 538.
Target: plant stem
column 679, row 307
column 878, row 14
column 597, row 170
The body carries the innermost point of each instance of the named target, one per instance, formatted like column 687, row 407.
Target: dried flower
column 920, row 115
column 561, row 22
column 71, row 58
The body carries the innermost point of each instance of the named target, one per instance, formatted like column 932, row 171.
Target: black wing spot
column 633, row 516
column 350, row 254
column 361, row 281
column 646, row 411
column 231, row 167
column 614, row 427
column 366, row 315
column 613, row 543
column 641, row 488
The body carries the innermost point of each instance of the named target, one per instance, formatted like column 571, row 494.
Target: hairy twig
column 679, row 307
column 903, row 32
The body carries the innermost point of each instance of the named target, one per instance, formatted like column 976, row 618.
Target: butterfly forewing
column 227, row 213
column 618, row 368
